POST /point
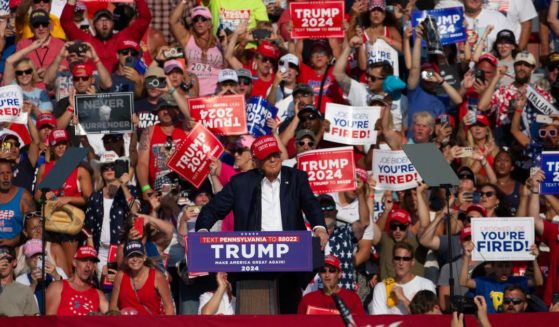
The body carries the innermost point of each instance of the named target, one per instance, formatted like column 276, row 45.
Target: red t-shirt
column 77, row 303
column 259, row 86
column 321, row 300
column 332, row 92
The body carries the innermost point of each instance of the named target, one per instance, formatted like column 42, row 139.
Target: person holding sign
column 493, row 286
column 271, row 197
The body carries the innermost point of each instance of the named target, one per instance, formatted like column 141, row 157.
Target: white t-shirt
column 349, row 213
column 225, row 307
column 106, row 226
column 519, row 11
column 485, row 18
column 379, row 307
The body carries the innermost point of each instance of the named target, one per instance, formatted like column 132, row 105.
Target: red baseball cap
column 82, row 70
column 86, row 252
column 267, row 49
column 362, row 174
column 477, row 207
column 128, row 44
column 46, row 119
column 57, row 136
column 332, row 260
column 482, row 119
column 466, row 232
column 451, row 120
column 399, row 215
column 431, row 66
column 489, row 57
column 264, row 146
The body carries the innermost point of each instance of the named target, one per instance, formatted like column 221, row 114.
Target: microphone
column 344, row 311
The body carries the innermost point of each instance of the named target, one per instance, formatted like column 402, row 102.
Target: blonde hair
column 425, row 117
column 28, row 61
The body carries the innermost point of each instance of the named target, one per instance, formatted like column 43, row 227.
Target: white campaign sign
column 351, row 125
column 502, row 239
column 393, row 170
column 11, row 102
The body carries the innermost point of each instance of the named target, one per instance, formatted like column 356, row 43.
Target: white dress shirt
column 271, row 206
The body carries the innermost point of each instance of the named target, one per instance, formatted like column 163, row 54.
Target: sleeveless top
column 145, row 300
column 77, row 303
column 160, row 151
column 11, row 217
column 22, row 265
column 369, row 45
column 70, row 187
column 207, row 70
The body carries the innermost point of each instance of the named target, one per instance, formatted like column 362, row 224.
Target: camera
column 427, row 75
column 78, row 48
column 130, row 62
column 463, row 304
column 155, row 82
column 173, row 53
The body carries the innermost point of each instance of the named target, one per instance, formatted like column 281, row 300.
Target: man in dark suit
column 271, row 197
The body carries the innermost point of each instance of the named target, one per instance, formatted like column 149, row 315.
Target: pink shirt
column 45, row 55
column 207, row 69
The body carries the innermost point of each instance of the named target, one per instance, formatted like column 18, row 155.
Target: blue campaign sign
column 249, row 251
column 450, row 22
column 550, row 166
column 258, row 110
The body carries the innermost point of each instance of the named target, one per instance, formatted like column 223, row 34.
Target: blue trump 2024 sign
column 450, row 22
column 550, row 166
column 249, row 251
column 258, row 111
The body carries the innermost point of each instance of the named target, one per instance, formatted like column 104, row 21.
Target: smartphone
column 261, row 34
column 476, row 197
column 6, row 146
column 468, row 196
column 283, row 66
column 130, row 62
column 479, row 74
column 543, row 119
column 139, row 225
column 466, row 152
column 196, row 209
column 40, row 263
column 121, row 167
column 111, row 264
column 444, row 120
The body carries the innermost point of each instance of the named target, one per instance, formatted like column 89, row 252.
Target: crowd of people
column 386, row 252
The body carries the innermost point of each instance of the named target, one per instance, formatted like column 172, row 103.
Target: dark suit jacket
column 243, row 195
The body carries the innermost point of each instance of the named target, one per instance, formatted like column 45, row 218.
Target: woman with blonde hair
column 480, row 138
column 21, row 71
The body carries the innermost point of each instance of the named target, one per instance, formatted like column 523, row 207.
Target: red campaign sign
column 223, row 115
column 330, row 170
column 317, row 19
column 191, row 157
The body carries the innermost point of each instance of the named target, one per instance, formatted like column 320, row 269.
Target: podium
column 257, row 261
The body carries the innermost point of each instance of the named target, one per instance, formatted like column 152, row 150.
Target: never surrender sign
column 351, row 125
column 317, row 19
column 330, row 170
column 191, row 159
column 249, row 251
column 502, row 239
column 11, row 101
column 550, row 166
column 104, row 113
column 393, row 170
column 450, row 22
column 224, row 115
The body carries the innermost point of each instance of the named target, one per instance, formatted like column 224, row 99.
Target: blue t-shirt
column 493, row 290
column 419, row 100
column 11, row 217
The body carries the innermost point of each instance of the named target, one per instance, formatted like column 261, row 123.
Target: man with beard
column 506, row 99
column 104, row 42
column 76, row 296
column 514, row 300
column 15, row 203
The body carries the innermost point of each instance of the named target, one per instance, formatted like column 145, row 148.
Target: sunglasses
column 198, row 19
column 39, row 1
column 32, row 214
column 548, row 132
column 398, row 258
column 303, row 143
column 395, row 226
column 309, row 117
column 328, row 208
column 373, row 78
column 108, row 167
column 228, row 84
column 487, row 194
column 127, row 52
column 80, row 78
column 465, row 176
column 324, row 270
column 514, row 301
column 24, row 72
column 245, row 81
column 238, row 151
column 43, row 25
column 268, row 59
